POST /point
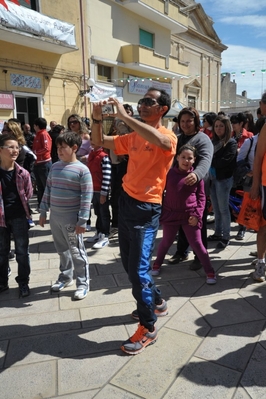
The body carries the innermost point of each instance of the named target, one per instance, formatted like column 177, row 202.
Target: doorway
column 27, row 108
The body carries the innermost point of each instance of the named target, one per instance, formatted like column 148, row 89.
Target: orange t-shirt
column 147, row 165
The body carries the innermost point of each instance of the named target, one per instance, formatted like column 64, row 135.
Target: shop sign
column 6, row 101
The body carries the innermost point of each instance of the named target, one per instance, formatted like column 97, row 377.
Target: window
column 146, row 38
column 104, row 73
column 33, row 4
column 191, row 101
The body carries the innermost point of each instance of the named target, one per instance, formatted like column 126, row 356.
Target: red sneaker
column 138, row 342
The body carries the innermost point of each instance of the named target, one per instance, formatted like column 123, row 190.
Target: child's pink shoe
column 155, row 271
column 211, row 278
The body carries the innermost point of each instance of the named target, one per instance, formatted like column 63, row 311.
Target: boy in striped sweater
column 68, row 195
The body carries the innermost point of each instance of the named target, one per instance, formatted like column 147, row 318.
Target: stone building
column 231, row 102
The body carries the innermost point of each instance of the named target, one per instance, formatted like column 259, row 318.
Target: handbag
column 250, row 214
column 242, row 168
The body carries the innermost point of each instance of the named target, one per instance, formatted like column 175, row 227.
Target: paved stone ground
column 211, row 345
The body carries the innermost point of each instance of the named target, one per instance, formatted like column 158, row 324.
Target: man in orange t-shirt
column 151, row 148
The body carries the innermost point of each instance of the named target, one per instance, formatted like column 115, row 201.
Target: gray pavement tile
column 104, row 281
column 65, row 344
column 29, row 382
column 90, row 373
column 40, row 323
column 231, row 346
column 110, row 267
column 150, row 374
column 107, row 314
column 204, row 380
column 241, row 394
column 254, row 378
column 29, row 305
column 3, row 350
column 225, row 285
column 175, row 272
column 185, row 319
column 221, row 310
column 113, row 392
column 96, row 298
column 79, row 395
column 122, row 279
column 41, row 264
column 255, row 294
column 188, row 287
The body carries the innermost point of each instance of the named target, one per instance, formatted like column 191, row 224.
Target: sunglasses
column 149, row 102
column 73, row 122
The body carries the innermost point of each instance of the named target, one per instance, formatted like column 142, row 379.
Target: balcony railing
column 142, row 56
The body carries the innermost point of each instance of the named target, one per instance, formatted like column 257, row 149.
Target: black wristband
column 97, row 121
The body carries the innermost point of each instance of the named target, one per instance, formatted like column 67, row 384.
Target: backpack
column 242, row 168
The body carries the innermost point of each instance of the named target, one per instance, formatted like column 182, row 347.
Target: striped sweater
column 100, row 167
column 68, row 189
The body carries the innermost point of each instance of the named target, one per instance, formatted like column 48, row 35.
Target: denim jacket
column 24, row 187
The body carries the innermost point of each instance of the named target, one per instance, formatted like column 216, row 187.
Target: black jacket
column 224, row 160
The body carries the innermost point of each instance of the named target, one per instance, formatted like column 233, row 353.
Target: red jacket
column 42, row 145
column 245, row 135
column 95, row 167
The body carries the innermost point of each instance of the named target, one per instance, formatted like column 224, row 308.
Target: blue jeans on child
column 220, row 191
column 20, row 229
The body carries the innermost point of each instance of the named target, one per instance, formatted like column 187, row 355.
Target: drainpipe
column 83, row 54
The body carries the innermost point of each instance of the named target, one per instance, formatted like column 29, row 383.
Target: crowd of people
column 138, row 176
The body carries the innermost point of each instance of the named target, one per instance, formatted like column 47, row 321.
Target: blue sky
column 240, row 24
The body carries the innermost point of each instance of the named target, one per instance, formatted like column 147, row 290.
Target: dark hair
column 221, row 113
column 58, row 129
column 187, row 147
column 41, row 123
column 69, row 138
column 128, row 107
column 250, row 122
column 15, row 120
column 228, row 128
column 263, row 98
column 210, row 117
column 193, row 113
column 259, row 111
column 163, row 99
column 238, row 118
column 260, row 123
column 5, row 137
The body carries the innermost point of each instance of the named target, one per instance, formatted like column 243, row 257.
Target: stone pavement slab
column 212, row 343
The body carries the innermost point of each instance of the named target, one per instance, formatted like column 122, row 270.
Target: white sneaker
column 80, row 293
column 102, row 242
column 60, row 285
column 93, row 238
column 259, row 274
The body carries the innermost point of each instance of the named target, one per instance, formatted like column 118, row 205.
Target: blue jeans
column 138, row 223
column 220, row 191
column 41, row 171
column 20, row 229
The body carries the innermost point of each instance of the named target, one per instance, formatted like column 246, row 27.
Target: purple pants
column 193, row 234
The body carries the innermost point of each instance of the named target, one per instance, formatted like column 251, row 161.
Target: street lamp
column 91, row 83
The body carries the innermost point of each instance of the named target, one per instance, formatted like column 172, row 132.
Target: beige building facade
column 42, row 60
column 50, row 49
